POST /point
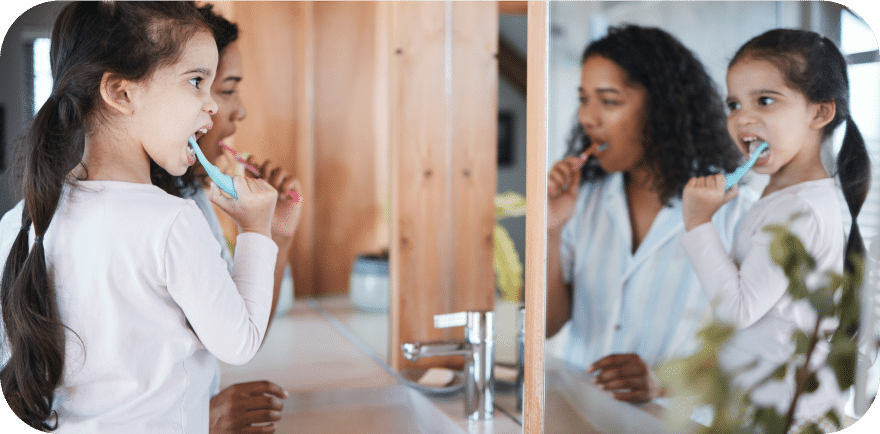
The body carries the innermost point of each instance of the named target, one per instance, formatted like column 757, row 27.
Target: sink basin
column 378, row 410
column 574, row 404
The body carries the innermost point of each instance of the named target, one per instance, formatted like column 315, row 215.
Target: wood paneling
column 349, row 219
column 443, row 105
column 473, row 129
column 276, row 41
column 536, row 224
column 317, row 105
column 513, row 7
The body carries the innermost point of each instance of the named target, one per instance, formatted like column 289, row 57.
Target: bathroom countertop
column 310, row 348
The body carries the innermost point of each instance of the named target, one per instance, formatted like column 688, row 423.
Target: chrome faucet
column 478, row 349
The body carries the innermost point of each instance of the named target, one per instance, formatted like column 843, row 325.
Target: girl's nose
column 210, row 106
column 742, row 117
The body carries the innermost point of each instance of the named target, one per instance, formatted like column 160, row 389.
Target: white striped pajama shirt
column 649, row 303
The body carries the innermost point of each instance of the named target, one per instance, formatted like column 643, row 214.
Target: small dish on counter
column 411, row 377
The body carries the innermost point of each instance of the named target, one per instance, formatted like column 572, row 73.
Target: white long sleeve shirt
column 749, row 290
column 149, row 303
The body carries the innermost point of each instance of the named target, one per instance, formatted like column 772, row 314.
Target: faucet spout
column 413, row 351
column 478, row 350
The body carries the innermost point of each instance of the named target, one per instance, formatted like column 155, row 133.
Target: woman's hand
column 627, row 375
column 702, row 197
column 563, row 184
column 237, row 407
column 287, row 211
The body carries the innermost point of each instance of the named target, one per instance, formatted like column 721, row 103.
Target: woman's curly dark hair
column 186, row 185
column 685, row 134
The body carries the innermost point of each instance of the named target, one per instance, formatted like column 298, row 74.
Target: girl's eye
column 765, row 100
column 196, row 81
column 732, row 105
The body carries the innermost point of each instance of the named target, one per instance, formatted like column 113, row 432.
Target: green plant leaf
column 769, row 420
column 779, row 373
column 509, row 204
column 508, row 267
column 834, row 418
column 842, row 359
column 823, row 302
column 802, row 342
column 811, row 429
column 812, row 383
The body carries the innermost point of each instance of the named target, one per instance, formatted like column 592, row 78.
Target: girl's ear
column 117, row 93
column 823, row 114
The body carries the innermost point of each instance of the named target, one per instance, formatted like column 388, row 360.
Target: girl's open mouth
column 190, row 153
column 752, row 143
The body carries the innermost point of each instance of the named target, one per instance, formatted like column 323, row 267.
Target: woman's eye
column 196, row 81
column 765, row 100
column 582, row 99
column 732, row 105
column 610, row 102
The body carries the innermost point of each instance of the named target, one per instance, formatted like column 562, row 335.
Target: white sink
column 377, row 410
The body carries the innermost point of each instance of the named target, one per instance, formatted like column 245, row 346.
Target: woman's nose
column 240, row 112
column 587, row 116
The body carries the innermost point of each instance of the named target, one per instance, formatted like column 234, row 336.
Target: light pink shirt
column 149, row 303
column 746, row 288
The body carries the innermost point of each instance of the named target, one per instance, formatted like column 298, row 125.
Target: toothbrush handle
column 736, row 175
column 292, row 193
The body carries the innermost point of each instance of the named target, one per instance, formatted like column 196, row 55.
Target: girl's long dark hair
column 812, row 65
column 186, row 185
column 685, row 134
column 130, row 40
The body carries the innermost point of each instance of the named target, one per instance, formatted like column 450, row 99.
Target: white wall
column 35, row 22
column 712, row 30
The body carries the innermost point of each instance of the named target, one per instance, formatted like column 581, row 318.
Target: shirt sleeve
column 229, row 314
column 743, row 293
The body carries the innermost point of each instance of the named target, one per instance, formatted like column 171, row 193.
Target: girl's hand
column 235, row 408
column 287, row 212
column 253, row 209
column 702, row 197
column 563, row 184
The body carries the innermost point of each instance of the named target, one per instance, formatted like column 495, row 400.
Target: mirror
column 713, row 31
column 317, row 86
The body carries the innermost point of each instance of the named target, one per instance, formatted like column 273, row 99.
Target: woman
column 649, row 119
column 237, row 407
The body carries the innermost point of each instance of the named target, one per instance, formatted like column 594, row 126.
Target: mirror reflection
column 372, row 115
column 655, row 267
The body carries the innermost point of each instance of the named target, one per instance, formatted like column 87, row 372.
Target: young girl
column 114, row 296
column 235, row 405
column 787, row 88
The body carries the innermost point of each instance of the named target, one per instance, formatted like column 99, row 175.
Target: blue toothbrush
column 222, row 180
column 733, row 178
